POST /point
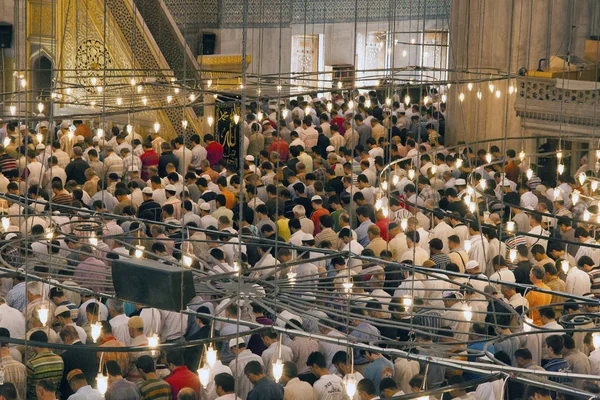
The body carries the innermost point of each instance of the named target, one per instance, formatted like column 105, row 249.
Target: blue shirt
column 361, row 233
column 375, row 372
column 365, row 333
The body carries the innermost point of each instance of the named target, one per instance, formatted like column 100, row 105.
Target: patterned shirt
column 440, row 260
column 15, row 373
column 428, row 193
column 44, row 366
column 155, row 389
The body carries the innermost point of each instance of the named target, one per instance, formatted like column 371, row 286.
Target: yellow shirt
column 537, row 299
column 283, row 229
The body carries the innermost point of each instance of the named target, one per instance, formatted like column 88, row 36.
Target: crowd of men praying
column 465, row 254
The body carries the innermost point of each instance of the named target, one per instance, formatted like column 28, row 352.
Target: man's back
column 155, row 389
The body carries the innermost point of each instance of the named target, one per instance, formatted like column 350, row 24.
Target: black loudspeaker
column 209, row 42
column 6, row 36
column 152, row 283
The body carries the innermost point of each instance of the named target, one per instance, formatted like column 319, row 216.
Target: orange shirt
column 537, row 299
column 315, row 218
column 229, row 199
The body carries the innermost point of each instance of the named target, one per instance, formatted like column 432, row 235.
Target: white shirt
column 174, row 325
column 184, row 155
column 82, row 319
column 442, row 231
column 578, row 282
column 120, row 328
column 538, row 230
column 415, row 254
column 479, row 250
column 13, row 320
column 410, row 287
column 271, row 354
column 329, row 387
column 152, row 321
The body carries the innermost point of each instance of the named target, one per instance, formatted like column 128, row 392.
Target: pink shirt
column 92, row 273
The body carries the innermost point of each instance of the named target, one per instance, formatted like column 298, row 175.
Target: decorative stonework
column 229, row 13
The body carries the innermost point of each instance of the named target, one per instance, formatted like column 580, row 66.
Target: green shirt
column 43, row 366
column 155, row 389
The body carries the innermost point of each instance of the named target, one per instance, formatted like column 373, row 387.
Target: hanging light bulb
column 93, row 81
column 139, row 251
column 407, row 100
column 556, row 193
column 339, row 84
column 510, row 226
column 40, row 107
column 102, row 383
column 209, row 83
column 351, row 104
column 483, row 184
column 582, row 178
column 184, row 124
column 594, row 185
column 459, row 162
column 461, row 97
column 512, row 255
column 93, row 240
column 561, row 168
column 210, row 121
column 187, row 260
column 467, row 245
column 23, row 82
column 479, row 95
column 169, row 99
column 259, row 115
column 192, row 97
column 529, row 173
column 6, row 141
column 284, row 113
column 299, row 88
column 596, row 339
column 411, row 174
column 236, row 119
column 132, row 82
column 467, row 199
column 426, row 100
column 100, row 132
column 99, row 89
column 68, row 90
column 348, row 286
column 277, row 369
column 129, row 128
column 470, row 86
column 467, row 313
column 407, row 301
column 575, row 197
column 176, row 90
column 559, row 154
column 586, row 215
column 144, row 101
column 350, row 383
column 444, row 98
column 472, row 206
column 96, row 329
column 292, row 278
column 395, row 180
column 70, row 135
column 403, row 224
column 43, row 313
column 498, row 94
column 329, row 106
column 385, row 211
column 491, row 86
column 5, row 223
column 93, row 103
column 527, row 322
column 433, row 169
column 39, row 137
column 236, row 266
column 404, row 53
column 384, row 185
column 49, row 235
column 368, row 103
column 13, row 110
column 378, row 204
column 511, row 89
column 488, row 157
column 204, row 375
column 521, row 155
column 279, row 88
column 211, row 356
column 153, row 342
column 139, row 89
column 119, row 101
column 388, row 101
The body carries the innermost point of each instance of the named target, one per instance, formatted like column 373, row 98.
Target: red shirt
column 214, row 153
column 182, row 377
column 149, row 159
column 315, row 218
column 383, row 227
column 279, row 145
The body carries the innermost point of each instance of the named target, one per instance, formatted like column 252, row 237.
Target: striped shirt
column 9, row 166
column 155, row 389
column 15, row 373
column 595, row 277
column 440, row 260
column 44, row 366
